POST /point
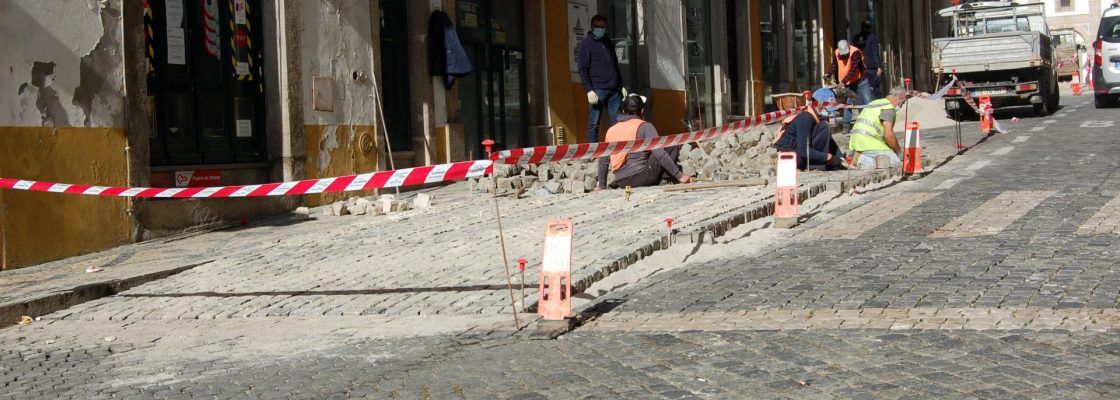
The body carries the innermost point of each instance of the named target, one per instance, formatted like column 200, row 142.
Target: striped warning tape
column 588, row 151
column 370, row 181
column 407, row 176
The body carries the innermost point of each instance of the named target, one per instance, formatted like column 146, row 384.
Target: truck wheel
column 1043, row 109
column 1055, row 99
column 964, row 114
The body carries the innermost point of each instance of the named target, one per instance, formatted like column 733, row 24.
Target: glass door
column 700, row 84
column 494, row 97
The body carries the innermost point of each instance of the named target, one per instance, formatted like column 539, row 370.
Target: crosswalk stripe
column 994, row 215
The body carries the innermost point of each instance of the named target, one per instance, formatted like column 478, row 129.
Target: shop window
column 205, row 76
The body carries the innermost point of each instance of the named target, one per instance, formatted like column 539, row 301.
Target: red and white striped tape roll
column 585, row 151
column 370, row 181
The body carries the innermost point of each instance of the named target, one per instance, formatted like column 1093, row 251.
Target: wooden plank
column 713, row 185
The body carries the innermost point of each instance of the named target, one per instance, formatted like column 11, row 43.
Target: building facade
column 164, row 93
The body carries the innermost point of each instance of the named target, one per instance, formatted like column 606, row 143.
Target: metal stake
column 505, row 257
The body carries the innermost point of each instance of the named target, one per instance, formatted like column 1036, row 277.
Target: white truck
column 998, row 49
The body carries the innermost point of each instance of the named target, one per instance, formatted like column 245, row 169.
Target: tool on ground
column 713, row 185
column 786, row 196
column 912, row 151
column 521, row 265
column 489, row 144
column 384, row 128
column 628, row 192
column 25, row 320
column 555, row 292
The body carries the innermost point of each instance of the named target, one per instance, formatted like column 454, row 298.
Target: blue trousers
column 609, row 99
column 863, row 89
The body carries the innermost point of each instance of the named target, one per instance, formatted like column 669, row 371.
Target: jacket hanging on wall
column 446, row 56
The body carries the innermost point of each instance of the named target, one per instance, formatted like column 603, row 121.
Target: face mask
column 824, row 113
column 598, row 32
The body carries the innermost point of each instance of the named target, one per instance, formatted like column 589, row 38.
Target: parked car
column 1106, row 59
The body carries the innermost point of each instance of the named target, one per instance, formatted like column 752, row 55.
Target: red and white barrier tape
column 586, row 151
column 370, row 181
column 987, row 111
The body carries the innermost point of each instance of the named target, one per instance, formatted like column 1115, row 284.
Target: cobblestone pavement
column 993, row 277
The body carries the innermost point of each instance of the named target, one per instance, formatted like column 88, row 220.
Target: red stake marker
column 489, row 145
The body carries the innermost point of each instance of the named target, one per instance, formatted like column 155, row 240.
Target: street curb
column 40, row 306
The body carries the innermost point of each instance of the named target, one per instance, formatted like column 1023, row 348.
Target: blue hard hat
column 825, row 95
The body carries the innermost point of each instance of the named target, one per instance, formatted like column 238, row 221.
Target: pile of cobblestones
column 384, row 204
column 740, row 156
column 743, row 155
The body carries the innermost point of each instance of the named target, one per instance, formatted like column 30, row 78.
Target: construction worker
column 809, row 135
column 848, row 67
column 873, row 131
column 642, row 168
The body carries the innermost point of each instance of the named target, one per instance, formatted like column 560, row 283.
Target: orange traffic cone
column 985, row 115
column 1076, row 83
column 912, row 152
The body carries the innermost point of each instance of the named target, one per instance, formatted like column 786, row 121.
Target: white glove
column 592, row 97
column 624, row 92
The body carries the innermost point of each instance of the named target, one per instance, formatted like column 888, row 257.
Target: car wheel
column 1101, row 101
column 1055, row 99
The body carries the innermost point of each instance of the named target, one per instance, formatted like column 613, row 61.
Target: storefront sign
column 198, row 178
column 579, row 24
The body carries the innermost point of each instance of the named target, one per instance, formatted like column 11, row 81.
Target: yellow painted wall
column 39, row 227
column 345, row 158
column 567, row 99
column 667, row 111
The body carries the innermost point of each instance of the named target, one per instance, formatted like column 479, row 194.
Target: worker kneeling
column 873, row 132
column 809, row 134
column 642, row 168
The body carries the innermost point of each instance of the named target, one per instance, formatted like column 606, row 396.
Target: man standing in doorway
column 847, row 66
column 599, row 73
column 872, row 59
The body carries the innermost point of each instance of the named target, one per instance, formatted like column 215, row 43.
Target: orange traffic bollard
column 912, row 152
column 786, row 196
column 554, row 301
column 985, row 115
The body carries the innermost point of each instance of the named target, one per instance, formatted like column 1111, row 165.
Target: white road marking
column 1038, row 129
column 1097, row 124
column 1020, row 139
column 1049, row 121
column 948, row 184
column 977, row 165
column 1002, row 151
column 1105, row 221
column 994, row 215
column 868, row 216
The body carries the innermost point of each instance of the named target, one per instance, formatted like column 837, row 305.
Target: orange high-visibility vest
column 842, row 66
column 622, row 132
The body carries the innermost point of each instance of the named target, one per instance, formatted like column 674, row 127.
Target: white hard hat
column 842, row 47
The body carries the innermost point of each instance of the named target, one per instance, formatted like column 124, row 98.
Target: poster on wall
column 579, row 24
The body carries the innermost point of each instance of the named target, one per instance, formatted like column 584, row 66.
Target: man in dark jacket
column 872, row 59
column 810, row 136
column 643, row 168
column 599, row 73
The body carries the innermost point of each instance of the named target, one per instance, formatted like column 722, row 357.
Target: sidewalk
column 446, row 260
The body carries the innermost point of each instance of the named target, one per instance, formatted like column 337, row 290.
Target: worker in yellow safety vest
column 873, row 131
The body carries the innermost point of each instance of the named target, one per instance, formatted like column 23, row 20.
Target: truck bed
column 988, row 52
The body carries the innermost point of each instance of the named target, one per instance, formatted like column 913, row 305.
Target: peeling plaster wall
column 61, row 120
column 61, row 63
column 336, row 41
